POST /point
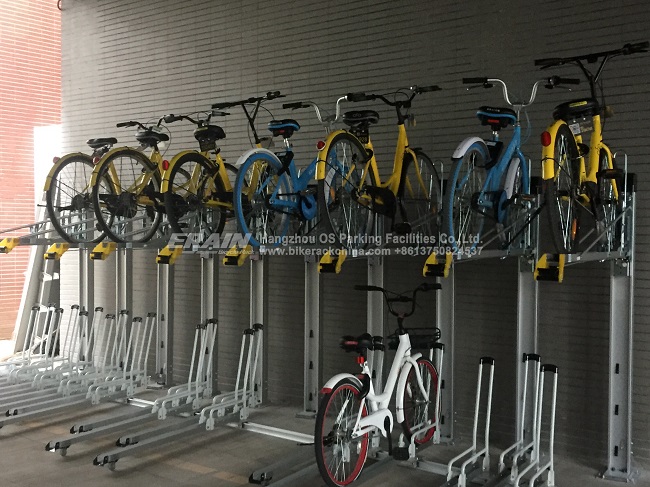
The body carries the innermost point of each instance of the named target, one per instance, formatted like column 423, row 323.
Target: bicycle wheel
column 420, row 195
column 344, row 205
column 340, row 457
column 420, row 410
column 262, row 197
column 608, row 206
column 464, row 218
column 514, row 208
column 563, row 191
column 127, row 198
column 69, row 200
column 192, row 198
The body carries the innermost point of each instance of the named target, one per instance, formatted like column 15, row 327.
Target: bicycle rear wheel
column 69, row 200
column 420, row 409
column 514, row 206
column 464, row 218
column 126, row 197
column 262, row 199
column 420, row 195
column 343, row 204
column 608, row 205
column 195, row 197
column 562, row 193
column 340, row 457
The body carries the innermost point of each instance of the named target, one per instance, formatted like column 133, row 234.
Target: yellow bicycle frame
column 393, row 181
column 587, row 171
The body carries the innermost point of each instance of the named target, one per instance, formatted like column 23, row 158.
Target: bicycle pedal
column 401, row 453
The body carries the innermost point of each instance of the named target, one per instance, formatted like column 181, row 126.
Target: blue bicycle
column 490, row 181
column 275, row 202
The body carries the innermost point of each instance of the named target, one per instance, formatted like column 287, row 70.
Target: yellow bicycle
column 582, row 186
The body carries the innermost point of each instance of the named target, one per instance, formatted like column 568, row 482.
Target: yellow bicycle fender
column 548, row 157
column 57, row 164
column 320, row 165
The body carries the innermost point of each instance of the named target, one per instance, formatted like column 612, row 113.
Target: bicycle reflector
column 96, row 159
column 165, row 164
column 55, row 159
column 546, row 138
column 320, row 144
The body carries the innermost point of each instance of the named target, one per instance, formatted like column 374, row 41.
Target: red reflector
column 55, row 159
column 96, row 159
column 546, row 139
column 326, row 390
column 165, row 164
column 361, row 359
column 493, row 121
column 320, row 144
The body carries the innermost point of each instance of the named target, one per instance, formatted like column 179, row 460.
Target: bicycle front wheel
column 562, row 193
column 608, row 205
column 514, row 205
column 263, row 200
column 344, row 205
column 126, row 197
column 339, row 456
column 69, row 200
column 419, row 408
column 464, row 217
column 420, row 195
column 195, row 200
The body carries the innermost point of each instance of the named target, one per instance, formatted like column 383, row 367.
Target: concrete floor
column 225, row 457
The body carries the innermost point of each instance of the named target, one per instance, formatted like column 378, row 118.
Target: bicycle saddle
column 356, row 344
column 360, row 117
column 209, row 132
column 495, row 117
column 101, row 142
column 584, row 107
column 150, row 137
column 285, row 127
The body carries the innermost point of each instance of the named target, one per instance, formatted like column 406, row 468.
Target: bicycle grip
column 354, row 97
column 424, row 89
column 548, row 62
column 475, row 81
column 293, row 106
column 636, row 47
column 273, row 94
column 125, row 124
column 567, row 81
column 172, row 118
column 365, row 287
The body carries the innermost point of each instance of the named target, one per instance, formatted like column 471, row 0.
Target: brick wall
column 30, row 95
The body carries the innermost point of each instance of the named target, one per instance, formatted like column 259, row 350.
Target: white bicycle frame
column 378, row 403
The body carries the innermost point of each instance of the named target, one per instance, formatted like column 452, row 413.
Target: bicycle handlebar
column 271, row 95
column 399, row 298
column 626, row 50
column 133, row 123
column 548, row 82
column 415, row 90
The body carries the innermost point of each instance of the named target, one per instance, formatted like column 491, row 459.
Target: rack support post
column 258, row 284
column 164, row 329
column 312, row 378
column 445, row 320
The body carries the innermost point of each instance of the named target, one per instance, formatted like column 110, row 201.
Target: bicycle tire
column 419, row 410
column 514, row 210
column 194, row 189
column 419, row 194
column 259, row 178
column 464, row 222
column 68, row 200
column 346, row 216
column 332, row 441
column 562, row 192
column 608, row 206
column 127, row 210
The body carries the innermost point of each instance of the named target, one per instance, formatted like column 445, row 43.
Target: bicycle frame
column 378, row 403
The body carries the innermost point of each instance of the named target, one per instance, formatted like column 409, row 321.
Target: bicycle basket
column 421, row 338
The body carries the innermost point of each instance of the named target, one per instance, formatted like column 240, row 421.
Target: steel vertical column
column 312, row 379
column 527, row 300
column 164, row 329
column 124, row 279
column 210, row 302
column 86, row 279
column 258, row 315
column 621, row 312
column 445, row 320
column 375, row 299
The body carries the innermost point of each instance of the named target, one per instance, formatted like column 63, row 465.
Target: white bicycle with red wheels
column 351, row 411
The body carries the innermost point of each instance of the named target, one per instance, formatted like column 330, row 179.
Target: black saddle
column 101, row 142
column 285, row 127
column 584, row 107
column 357, row 118
column 497, row 118
column 209, row 132
column 150, row 137
column 357, row 344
